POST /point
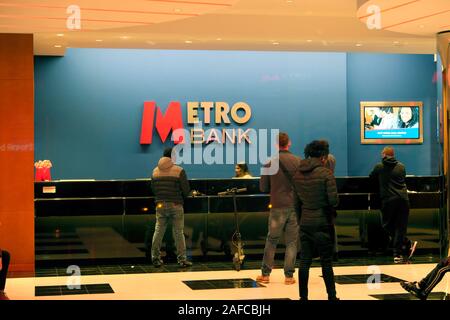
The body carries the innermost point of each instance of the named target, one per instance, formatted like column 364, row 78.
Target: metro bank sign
column 198, row 113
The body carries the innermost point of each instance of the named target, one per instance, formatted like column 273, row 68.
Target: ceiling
column 397, row 26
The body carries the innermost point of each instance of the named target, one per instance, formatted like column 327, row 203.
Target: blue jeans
column 281, row 220
column 169, row 212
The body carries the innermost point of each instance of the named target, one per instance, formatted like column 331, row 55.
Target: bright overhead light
column 219, row 39
column 359, row 44
column 177, row 10
column 60, row 34
column 58, row 46
column 99, row 40
column 275, row 43
column 124, row 37
column 188, row 41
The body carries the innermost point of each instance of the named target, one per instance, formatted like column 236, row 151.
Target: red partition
column 17, row 149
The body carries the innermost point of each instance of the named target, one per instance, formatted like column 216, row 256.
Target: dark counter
column 78, row 220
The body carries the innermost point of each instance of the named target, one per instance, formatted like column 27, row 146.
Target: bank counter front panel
column 97, row 221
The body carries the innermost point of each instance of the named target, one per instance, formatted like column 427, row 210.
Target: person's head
column 317, row 149
column 241, row 169
column 284, row 142
column 168, row 152
column 407, row 117
column 388, row 152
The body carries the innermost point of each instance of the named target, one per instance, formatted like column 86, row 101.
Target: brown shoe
column 263, row 279
column 289, row 280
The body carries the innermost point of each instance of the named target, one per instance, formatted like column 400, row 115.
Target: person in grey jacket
column 170, row 186
column 316, row 187
column 283, row 215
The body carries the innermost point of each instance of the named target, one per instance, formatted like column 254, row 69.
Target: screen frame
column 364, row 104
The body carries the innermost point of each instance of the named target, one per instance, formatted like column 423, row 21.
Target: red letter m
column 172, row 120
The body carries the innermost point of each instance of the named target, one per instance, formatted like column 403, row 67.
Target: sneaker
column 414, row 289
column 185, row 264
column 412, row 249
column 157, row 263
column 263, row 279
column 289, row 280
column 399, row 259
column 3, row 296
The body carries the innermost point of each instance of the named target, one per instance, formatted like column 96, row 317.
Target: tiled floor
column 143, row 283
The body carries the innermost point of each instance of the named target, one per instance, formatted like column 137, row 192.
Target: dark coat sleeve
column 264, row 182
column 331, row 189
column 184, row 184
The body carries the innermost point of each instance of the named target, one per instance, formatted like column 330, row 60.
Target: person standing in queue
column 170, row 186
column 316, row 187
column 390, row 176
column 283, row 214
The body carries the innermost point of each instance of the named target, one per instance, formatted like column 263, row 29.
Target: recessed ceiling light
column 359, row 44
column 124, row 37
column 309, row 40
column 188, row 41
column 58, row 46
column 289, row 1
column 99, row 40
column 275, row 43
column 60, row 34
column 219, row 39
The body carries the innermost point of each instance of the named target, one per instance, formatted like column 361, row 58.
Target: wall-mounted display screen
column 389, row 122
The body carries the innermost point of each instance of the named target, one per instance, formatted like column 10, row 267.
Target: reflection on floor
column 352, row 284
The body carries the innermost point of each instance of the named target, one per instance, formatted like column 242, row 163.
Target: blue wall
column 381, row 77
column 89, row 104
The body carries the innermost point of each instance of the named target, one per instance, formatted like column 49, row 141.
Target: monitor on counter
column 391, row 122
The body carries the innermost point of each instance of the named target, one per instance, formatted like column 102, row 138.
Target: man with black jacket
column 170, row 186
column 283, row 215
column 4, row 264
column 316, row 187
column 390, row 175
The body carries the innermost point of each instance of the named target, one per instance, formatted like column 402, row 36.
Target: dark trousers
column 5, row 264
column 432, row 279
column 395, row 222
column 320, row 238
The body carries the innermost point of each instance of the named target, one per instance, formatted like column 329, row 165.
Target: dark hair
column 388, row 110
column 317, row 149
column 283, row 139
column 168, row 152
column 243, row 167
column 414, row 118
